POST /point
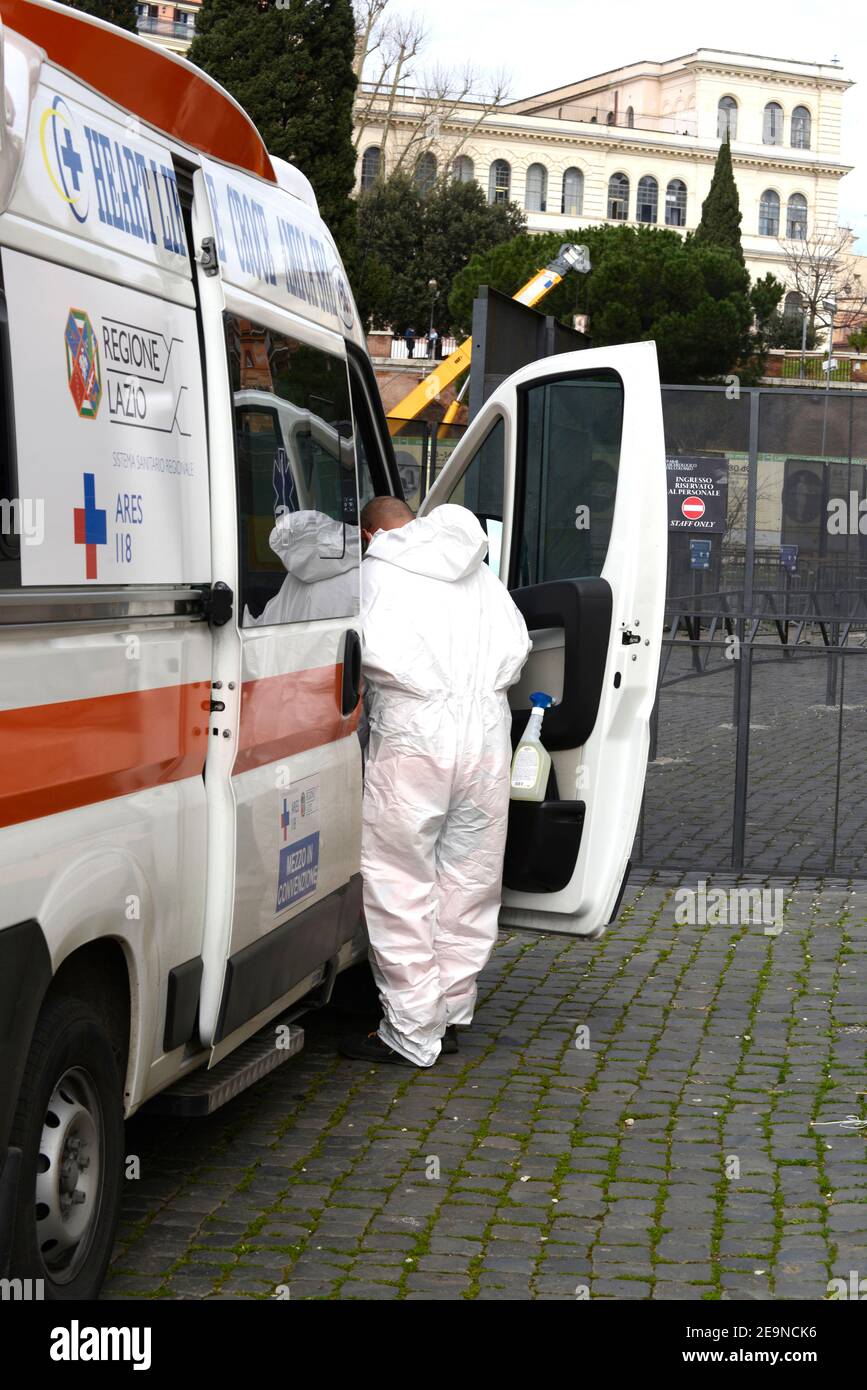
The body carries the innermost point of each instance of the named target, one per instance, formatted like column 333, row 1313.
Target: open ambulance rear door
column 565, row 468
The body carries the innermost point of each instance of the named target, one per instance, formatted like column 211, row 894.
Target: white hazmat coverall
column 442, row 642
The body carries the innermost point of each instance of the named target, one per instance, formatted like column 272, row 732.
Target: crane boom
column 569, row 257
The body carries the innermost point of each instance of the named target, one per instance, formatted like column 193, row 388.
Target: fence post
column 745, row 665
column 838, row 771
column 425, row 458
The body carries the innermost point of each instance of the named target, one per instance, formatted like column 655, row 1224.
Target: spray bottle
column 531, row 763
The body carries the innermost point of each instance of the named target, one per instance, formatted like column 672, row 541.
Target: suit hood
column 314, row 546
column 448, row 544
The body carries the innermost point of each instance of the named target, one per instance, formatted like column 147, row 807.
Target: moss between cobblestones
column 826, row 1085
column 592, row 1084
column 723, row 1184
column 657, row 1229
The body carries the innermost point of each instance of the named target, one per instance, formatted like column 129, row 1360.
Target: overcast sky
column 546, row 43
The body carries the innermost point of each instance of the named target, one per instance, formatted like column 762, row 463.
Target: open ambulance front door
column 565, row 468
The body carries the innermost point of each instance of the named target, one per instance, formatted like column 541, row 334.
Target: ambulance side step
column 203, row 1092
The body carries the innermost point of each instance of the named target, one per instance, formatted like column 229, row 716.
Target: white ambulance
column 189, row 427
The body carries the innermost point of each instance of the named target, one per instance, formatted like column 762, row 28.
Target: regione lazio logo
column 90, row 527
column 63, row 147
column 82, row 364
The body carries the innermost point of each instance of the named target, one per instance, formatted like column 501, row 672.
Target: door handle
column 351, row 687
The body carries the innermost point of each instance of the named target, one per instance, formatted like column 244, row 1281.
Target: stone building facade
column 638, row 144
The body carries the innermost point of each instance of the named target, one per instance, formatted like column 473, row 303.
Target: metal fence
column 759, row 739
column 421, row 450
column 167, row 28
column 422, row 349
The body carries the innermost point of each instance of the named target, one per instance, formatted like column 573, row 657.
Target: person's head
column 383, row 514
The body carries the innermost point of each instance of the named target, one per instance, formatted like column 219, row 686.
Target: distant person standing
column 409, row 339
column 432, row 341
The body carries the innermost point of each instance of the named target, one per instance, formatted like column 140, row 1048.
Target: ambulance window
column 372, row 469
column 481, row 489
column 569, row 464
column 10, row 519
column 365, row 447
column 297, row 493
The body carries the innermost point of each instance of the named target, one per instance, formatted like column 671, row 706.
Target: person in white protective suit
column 321, row 558
column 442, row 641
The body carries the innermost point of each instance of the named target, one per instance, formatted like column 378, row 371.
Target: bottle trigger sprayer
column 532, row 763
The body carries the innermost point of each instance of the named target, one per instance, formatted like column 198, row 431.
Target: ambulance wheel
column 69, row 1127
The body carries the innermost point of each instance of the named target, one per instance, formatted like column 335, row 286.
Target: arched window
column 499, row 181
column 572, row 201
column 801, row 128
column 371, row 163
column 792, row 307
column 630, row 117
column 675, row 204
column 426, row 173
column 618, row 197
column 727, row 118
column 647, row 200
column 772, row 125
column 609, row 119
column 463, row 170
column 796, row 218
column 769, row 213
column 536, row 194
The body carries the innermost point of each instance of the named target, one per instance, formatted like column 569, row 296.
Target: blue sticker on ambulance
column 299, row 871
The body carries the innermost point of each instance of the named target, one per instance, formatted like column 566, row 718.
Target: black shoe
column 371, row 1048
column 450, row 1040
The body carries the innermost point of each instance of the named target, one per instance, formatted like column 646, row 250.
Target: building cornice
column 773, row 77
column 719, row 61
column 620, row 140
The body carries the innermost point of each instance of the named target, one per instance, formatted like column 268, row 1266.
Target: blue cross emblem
column 72, row 159
column 89, row 526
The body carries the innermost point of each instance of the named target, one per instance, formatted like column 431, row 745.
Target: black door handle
column 351, row 688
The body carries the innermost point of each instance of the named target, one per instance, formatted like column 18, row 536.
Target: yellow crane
column 569, row 257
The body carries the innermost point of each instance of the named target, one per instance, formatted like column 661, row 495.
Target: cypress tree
column 720, row 223
column 119, row 12
column 290, row 66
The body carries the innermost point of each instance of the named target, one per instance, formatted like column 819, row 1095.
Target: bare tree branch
column 368, row 31
column 820, row 269
column 394, row 41
column 414, row 121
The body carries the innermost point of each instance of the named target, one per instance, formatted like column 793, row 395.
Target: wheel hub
column 69, row 1171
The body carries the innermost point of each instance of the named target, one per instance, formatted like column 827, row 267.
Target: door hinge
column 217, row 604
column 208, row 260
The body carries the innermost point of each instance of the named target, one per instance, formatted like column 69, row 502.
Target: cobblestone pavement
column 794, row 742
column 675, row 1156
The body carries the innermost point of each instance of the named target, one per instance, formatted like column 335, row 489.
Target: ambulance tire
column 70, row 1106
